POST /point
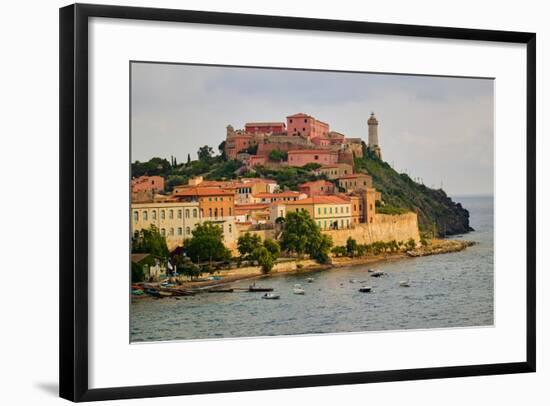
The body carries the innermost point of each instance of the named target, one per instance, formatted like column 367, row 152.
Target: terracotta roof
column 203, row 191
column 252, row 206
column 282, row 194
column 355, row 176
column 330, row 199
column 316, row 182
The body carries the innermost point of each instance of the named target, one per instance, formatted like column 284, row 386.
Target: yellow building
column 335, row 171
column 355, row 182
column 174, row 220
column 329, row 212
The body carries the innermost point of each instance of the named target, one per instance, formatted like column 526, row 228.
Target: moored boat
column 271, row 296
column 365, row 289
column 299, row 291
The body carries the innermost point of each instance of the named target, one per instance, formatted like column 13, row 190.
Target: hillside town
column 340, row 199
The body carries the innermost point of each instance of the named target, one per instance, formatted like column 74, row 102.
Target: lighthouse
column 374, row 146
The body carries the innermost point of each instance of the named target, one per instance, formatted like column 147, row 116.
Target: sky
column 439, row 130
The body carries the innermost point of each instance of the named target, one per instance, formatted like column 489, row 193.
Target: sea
column 446, row 291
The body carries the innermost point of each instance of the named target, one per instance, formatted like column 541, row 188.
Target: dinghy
column 271, row 296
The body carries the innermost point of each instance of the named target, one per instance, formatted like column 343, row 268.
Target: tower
column 374, row 146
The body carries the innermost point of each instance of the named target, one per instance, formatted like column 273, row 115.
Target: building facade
column 301, row 157
column 335, row 171
column 318, row 187
column 355, row 182
column 174, row 220
column 329, row 212
column 153, row 184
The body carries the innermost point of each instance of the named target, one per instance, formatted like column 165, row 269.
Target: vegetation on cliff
column 437, row 213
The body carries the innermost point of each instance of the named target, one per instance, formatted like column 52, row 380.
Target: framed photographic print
column 258, row 202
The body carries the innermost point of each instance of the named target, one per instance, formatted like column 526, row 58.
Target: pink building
column 256, row 160
column 152, row 184
column 265, row 127
column 236, row 144
column 301, row 157
column 306, row 125
column 318, row 187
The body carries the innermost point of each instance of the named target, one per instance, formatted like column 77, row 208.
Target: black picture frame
column 74, row 195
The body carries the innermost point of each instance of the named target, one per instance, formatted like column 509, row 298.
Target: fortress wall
column 385, row 227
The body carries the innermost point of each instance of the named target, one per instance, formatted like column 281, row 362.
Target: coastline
column 436, row 247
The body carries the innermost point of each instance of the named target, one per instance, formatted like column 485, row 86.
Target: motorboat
column 377, row 274
column 310, row 280
column 271, row 296
column 299, row 291
column 365, row 289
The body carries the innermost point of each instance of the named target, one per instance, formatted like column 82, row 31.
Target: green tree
column 301, row 235
column 247, row 243
column 278, row 155
column 205, row 153
column 351, row 247
column 185, row 266
column 150, row 241
column 207, row 244
column 265, row 259
column 221, row 148
column 273, row 247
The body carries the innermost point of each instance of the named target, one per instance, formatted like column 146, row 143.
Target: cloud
column 439, row 129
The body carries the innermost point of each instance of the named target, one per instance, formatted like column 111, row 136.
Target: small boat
column 137, row 292
column 352, row 280
column 377, row 274
column 365, row 289
column 165, row 293
column 299, row 291
column 297, row 285
column 253, row 288
column 405, row 284
column 271, row 296
column 310, row 280
column 370, row 270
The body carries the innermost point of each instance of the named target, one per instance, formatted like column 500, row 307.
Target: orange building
column 153, row 184
column 214, row 203
column 301, row 157
column 318, row 187
column 306, row 125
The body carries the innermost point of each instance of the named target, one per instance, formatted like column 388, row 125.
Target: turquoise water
column 450, row 290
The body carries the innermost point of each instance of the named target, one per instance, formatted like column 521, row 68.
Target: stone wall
column 385, row 227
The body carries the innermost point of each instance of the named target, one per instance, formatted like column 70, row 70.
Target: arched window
column 195, row 213
column 136, row 216
column 145, row 215
column 221, row 212
column 162, row 214
column 163, row 232
column 180, row 231
column 171, row 214
column 187, row 213
column 179, row 213
column 154, row 214
column 187, row 230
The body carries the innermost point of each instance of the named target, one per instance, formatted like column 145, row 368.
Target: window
column 162, row 214
column 145, row 215
column 195, row 213
column 230, row 211
column 221, row 199
column 221, row 212
column 180, row 231
column 163, row 232
column 347, row 209
column 216, row 212
column 179, row 213
column 316, row 157
column 154, row 214
column 331, row 210
column 230, row 228
column 187, row 213
column 318, row 210
column 136, row 217
column 336, row 209
column 171, row 214
column 187, row 230
column 210, row 212
column 325, row 210
column 370, row 206
column 171, row 232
